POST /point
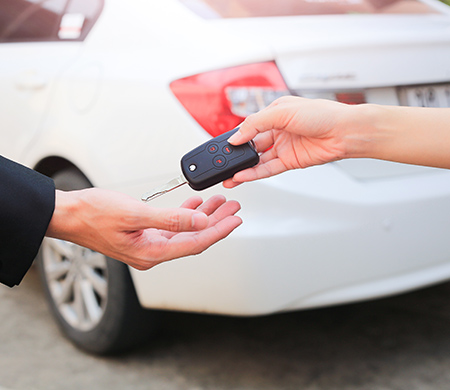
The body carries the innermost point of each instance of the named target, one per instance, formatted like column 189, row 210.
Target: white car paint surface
column 331, row 234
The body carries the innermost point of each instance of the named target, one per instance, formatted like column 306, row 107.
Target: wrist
column 63, row 221
column 366, row 130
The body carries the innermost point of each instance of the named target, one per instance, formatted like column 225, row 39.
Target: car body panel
column 322, row 239
column 28, row 73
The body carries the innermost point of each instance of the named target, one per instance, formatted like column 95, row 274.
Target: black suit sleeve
column 27, row 204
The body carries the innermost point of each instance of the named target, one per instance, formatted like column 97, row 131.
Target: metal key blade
column 164, row 189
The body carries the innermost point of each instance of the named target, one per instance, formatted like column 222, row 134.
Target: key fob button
column 219, row 161
column 213, row 148
column 228, row 149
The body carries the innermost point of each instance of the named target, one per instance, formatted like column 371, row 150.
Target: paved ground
column 400, row 343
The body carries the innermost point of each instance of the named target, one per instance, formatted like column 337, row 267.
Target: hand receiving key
column 209, row 164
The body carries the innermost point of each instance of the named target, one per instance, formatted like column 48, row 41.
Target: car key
column 210, row 163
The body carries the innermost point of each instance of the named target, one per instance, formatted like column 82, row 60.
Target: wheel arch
column 49, row 166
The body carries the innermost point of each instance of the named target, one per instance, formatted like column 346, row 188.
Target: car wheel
column 91, row 296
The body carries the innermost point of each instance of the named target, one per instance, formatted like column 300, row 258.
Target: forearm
column 403, row 134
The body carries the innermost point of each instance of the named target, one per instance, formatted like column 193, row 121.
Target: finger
column 192, row 203
column 245, row 133
column 268, row 155
column 260, row 171
column 175, row 220
column 218, row 210
column 231, row 207
column 263, row 141
column 219, row 231
column 271, row 117
column 212, row 204
column 231, row 183
column 198, row 242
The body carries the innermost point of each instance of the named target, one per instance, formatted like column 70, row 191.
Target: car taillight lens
column 221, row 99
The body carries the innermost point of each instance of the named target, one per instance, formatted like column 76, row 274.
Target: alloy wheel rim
column 77, row 279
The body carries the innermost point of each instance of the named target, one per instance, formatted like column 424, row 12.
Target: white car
column 112, row 93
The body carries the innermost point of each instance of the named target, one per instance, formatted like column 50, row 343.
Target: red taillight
column 220, row 100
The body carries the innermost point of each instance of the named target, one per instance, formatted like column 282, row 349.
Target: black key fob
column 217, row 160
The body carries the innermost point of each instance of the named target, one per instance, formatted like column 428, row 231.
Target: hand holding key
column 209, row 164
column 293, row 133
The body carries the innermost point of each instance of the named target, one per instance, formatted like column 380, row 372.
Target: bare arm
column 410, row 135
column 295, row 132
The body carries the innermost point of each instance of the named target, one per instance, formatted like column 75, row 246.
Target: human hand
column 141, row 236
column 292, row 133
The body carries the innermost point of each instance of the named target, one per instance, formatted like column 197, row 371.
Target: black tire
column 119, row 322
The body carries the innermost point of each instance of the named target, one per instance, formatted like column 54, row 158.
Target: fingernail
column 234, row 137
column 199, row 221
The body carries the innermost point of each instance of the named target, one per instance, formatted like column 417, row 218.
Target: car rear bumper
column 312, row 238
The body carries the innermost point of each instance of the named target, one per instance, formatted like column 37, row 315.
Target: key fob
column 217, row 160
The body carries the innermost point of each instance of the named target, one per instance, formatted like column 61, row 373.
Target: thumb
column 175, row 220
column 245, row 133
column 269, row 118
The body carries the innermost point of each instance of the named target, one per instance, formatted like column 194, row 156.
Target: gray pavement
column 397, row 343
